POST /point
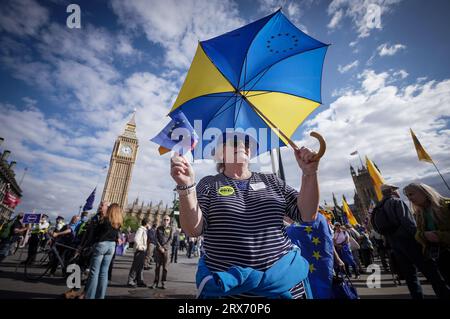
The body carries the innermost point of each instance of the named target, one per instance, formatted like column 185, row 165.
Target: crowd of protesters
column 96, row 241
column 403, row 239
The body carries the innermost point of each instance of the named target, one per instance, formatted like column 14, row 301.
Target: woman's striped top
column 243, row 226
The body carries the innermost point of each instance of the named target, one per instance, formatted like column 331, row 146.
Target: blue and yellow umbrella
column 266, row 74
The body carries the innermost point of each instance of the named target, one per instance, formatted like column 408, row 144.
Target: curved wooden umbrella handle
column 323, row 145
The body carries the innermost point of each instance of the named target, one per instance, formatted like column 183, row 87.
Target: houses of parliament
column 119, row 176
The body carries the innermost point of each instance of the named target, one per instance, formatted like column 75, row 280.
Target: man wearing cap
column 38, row 232
column 400, row 235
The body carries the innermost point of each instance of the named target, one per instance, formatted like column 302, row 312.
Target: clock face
column 126, row 150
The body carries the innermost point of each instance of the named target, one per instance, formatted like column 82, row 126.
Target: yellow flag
column 351, row 219
column 376, row 177
column 421, row 153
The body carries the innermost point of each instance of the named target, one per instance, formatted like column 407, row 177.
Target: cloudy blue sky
column 67, row 93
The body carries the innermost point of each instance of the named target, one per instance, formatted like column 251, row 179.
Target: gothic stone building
column 364, row 193
column 7, row 177
column 121, row 165
column 153, row 212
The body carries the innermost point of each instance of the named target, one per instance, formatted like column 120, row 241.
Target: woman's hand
column 340, row 264
column 431, row 236
column 305, row 160
column 181, row 171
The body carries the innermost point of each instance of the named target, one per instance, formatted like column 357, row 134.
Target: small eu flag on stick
column 90, row 201
column 178, row 135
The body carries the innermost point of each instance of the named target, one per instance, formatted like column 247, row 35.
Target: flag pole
column 440, row 175
column 23, row 176
column 280, row 165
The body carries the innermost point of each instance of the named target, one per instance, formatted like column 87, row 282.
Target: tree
column 130, row 222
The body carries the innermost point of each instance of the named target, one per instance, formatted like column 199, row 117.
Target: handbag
column 342, row 287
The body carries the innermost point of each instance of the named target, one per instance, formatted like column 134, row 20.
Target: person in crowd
column 151, row 241
column 381, row 249
column 190, row 247
column 38, row 234
column 87, row 242
column 355, row 247
column 432, row 213
column 182, row 240
column 200, row 246
column 196, row 250
column 105, row 237
column 366, row 249
column 66, row 237
column 125, row 245
column 59, row 223
column 131, row 236
column 164, row 235
column 221, row 206
column 120, row 247
column 392, row 218
column 10, row 234
column 136, row 275
column 175, row 245
column 81, row 228
column 341, row 241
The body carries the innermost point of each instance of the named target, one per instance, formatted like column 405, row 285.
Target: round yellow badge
column 226, row 190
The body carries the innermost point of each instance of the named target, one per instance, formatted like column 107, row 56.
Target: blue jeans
column 98, row 275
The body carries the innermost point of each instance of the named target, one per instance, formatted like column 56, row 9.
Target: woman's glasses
column 235, row 142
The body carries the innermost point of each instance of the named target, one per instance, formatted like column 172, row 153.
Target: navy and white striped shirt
column 243, row 226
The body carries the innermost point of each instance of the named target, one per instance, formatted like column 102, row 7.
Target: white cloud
column 348, row 67
column 373, row 81
column 384, row 49
column 336, row 19
column 22, row 17
column 365, row 14
column 292, row 9
column 375, row 119
column 178, row 25
column 65, row 151
column 402, row 74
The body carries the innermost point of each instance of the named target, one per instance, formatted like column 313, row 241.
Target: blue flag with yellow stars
column 178, row 135
column 315, row 240
column 90, row 201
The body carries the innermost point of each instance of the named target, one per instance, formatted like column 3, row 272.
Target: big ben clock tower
column 121, row 166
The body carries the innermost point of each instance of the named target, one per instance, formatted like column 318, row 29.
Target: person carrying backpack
column 432, row 213
column 393, row 219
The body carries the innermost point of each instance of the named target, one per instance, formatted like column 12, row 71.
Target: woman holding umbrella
column 240, row 215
